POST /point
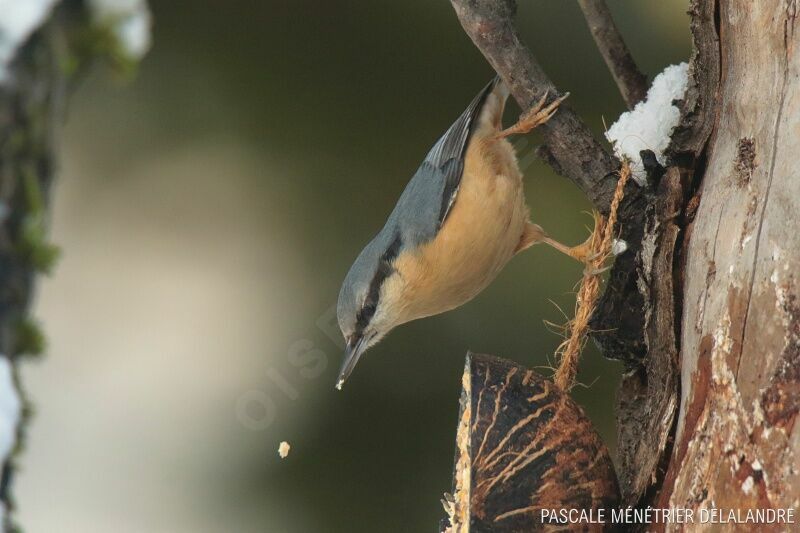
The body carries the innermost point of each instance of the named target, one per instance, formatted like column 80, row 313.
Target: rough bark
column 737, row 440
column 647, row 398
column 638, row 319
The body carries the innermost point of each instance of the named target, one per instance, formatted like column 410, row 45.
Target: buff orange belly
column 476, row 241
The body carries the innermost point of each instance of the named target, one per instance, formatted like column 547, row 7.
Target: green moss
column 27, row 414
column 41, row 255
column 33, row 244
column 69, row 64
column 99, row 41
column 29, row 338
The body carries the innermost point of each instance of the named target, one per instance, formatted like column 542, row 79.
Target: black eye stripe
column 383, row 271
column 365, row 315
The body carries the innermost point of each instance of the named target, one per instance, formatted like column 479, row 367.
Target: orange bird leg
column 534, row 234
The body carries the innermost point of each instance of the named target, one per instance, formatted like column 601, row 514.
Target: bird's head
column 369, row 302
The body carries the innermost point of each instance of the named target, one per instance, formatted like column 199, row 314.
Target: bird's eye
column 366, row 313
column 369, row 309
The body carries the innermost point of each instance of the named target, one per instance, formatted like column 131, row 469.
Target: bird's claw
column 589, row 271
column 535, row 116
column 592, row 257
column 541, row 113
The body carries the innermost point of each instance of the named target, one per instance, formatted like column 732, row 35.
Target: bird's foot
column 584, row 252
column 534, row 117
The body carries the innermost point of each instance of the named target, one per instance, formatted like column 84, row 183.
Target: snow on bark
column 649, row 125
column 130, row 21
column 18, row 20
column 10, row 410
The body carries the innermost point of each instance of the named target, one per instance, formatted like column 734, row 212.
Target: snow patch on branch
column 130, row 22
column 650, row 124
column 18, row 20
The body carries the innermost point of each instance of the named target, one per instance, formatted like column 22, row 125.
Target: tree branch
column 571, row 148
column 42, row 73
column 31, row 109
column 631, row 82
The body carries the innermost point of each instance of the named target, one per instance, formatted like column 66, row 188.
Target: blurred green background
column 208, row 213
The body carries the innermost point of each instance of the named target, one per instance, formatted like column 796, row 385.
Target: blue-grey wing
column 429, row 196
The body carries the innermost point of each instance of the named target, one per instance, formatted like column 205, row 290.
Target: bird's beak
column 355, row 347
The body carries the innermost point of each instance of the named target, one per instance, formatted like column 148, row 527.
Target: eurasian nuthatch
column 460, row 219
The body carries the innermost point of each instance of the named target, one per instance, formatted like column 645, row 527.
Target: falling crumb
column 283, row 449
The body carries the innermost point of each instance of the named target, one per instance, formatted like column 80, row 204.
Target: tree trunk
column 737, row 445
column 33, row 92
column 31, row 111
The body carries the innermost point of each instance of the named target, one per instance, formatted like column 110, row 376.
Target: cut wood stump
column 523, row 445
